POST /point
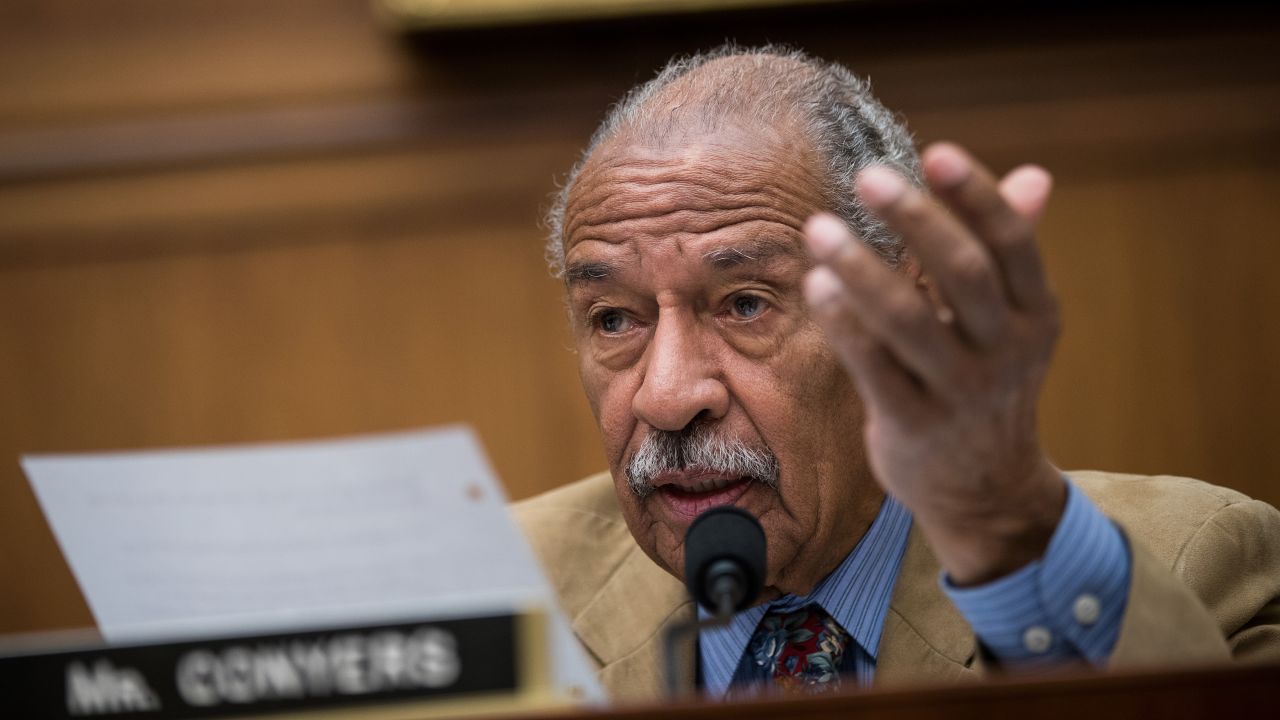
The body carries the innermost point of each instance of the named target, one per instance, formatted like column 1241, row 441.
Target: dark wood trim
column 1200, row 693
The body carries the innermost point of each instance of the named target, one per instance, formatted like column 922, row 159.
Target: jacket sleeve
column 1219, row 600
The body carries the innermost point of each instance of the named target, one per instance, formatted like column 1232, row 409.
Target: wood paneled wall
column 233, row 221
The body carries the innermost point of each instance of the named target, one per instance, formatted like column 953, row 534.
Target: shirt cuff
column 1064, row 606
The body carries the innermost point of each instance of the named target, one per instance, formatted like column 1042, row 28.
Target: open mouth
column 688, row 495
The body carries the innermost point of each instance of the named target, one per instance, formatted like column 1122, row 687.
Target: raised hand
column 949, row 355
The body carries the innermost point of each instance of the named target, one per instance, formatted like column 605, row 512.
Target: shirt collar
column 856, row 594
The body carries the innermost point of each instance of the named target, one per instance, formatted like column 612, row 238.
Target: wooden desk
column 1225, row 692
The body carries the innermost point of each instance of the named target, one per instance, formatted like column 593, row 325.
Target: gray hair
column 698, row 446
column 847, row 126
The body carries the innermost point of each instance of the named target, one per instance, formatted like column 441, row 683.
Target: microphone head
column 724, row 545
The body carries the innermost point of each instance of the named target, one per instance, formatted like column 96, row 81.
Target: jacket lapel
column 625, row 625
column 924, row 635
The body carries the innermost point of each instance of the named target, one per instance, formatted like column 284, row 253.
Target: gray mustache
column 702, row 447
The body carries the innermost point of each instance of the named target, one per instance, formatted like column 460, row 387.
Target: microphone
column 724, row 560
column 724, row 570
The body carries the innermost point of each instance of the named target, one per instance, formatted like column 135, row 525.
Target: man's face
column 684, row 267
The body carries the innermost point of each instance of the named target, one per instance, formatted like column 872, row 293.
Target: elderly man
column 771, row 311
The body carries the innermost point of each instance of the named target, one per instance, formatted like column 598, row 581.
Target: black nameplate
column 267, row 673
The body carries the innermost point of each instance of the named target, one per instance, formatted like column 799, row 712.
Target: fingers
column 977, row 249
column 1026, row 189
column 854, row 288
column 961, row 268
column 881, row 381
column 1001, row 216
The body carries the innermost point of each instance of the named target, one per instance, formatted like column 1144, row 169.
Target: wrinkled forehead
column 689, row 184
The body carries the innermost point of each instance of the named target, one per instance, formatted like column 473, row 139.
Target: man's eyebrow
column 579, row 273
column 754, row 252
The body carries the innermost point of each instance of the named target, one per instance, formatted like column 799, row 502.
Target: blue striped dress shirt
column 1066, row 605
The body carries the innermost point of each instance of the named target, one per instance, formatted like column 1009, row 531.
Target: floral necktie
column 803, row 648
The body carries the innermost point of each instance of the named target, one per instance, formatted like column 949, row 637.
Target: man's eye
column 612, row 321
column 748, row 306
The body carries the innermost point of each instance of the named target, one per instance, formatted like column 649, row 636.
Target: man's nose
column 681, row 377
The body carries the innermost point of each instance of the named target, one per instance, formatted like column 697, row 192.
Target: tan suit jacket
column 1205, row 585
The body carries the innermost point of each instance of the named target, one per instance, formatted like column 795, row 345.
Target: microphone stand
column 727, row 594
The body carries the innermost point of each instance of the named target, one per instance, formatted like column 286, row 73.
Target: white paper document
column 271, row 538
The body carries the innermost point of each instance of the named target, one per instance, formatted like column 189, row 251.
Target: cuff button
column 1037, row 639
column 1086, row 609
